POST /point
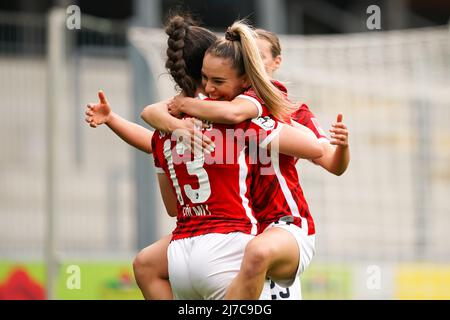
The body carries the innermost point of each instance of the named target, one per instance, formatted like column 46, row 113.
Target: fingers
column 339, row 128
column 339, row 137
column 208, row 144
column 198, row 124
column 91, row 122
column 339, row 131
column 196, row 142
column 197, row 145
column 339, row 143
column 101, row 96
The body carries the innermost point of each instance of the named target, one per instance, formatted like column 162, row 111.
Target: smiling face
column 271, row 63
column 220, row 80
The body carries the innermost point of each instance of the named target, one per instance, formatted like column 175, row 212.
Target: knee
column 139, row 262
column 143, row 264
column 257, row 257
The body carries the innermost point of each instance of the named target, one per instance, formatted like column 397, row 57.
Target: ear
column 245, row 82
column 277, row 61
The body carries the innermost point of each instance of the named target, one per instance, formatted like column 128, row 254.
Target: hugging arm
column 226, row 112
column 336, row 154
column 297, row 142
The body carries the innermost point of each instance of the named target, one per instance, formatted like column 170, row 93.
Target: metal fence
column 93, row 186
column 392, row 88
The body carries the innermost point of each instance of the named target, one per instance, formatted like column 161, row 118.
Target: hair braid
column 177, row 29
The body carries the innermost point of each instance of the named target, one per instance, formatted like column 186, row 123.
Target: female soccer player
column 215, row 220
column 237, row 84
column 265, row 253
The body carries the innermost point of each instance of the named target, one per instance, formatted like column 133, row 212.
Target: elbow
column 147, row 113
column 144, row 114
column 172, row 214
column 340, row 171
column 317, row 151
column 148, row 150
column 234, row 118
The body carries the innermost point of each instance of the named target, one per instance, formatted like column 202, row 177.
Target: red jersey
column 213, row 191
column 276, row 190
column 304, row 116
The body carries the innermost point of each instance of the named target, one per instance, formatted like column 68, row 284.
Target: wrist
column 110, row 118
column 185, row 105
column 174, row 124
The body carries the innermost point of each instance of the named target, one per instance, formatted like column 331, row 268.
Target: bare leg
column 151, row 271
column 273, row 253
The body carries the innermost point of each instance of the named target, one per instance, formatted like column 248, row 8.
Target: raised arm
column 132, row 133
column 227, row 112
column 336, row 154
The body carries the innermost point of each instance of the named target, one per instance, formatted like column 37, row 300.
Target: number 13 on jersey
column 194, row 168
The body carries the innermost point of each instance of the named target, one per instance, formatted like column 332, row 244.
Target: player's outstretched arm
column 336, row 154
column 132, row 133
column 226, row 112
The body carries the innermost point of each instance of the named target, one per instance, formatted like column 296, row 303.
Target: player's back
column 212, row 190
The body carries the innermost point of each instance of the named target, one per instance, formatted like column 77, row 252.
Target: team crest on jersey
column 267, row 123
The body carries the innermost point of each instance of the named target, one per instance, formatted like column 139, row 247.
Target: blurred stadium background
column 72, row 195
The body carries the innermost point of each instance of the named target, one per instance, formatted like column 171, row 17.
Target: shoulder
column 280, row 86
column 302, row 113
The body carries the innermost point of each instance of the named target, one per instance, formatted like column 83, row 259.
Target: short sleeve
column 266, row 129
column 255, row 101
column 157, row 152
column 305, row 117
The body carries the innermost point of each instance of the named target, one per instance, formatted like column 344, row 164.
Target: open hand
column 98, row 113
column 339, row 133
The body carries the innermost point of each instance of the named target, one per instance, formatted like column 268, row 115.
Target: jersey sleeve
column 305, row 117
column 260, row 131
column 254, row 100
column 157, row 153
column 267, row 128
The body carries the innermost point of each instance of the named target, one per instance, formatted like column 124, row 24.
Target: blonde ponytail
column 247, row 59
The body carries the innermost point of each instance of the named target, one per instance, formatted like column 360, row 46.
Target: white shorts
column 293, row 292
column 203, row 267
column 306, row 245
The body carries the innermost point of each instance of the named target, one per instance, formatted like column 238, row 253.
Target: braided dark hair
column 187, row 45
